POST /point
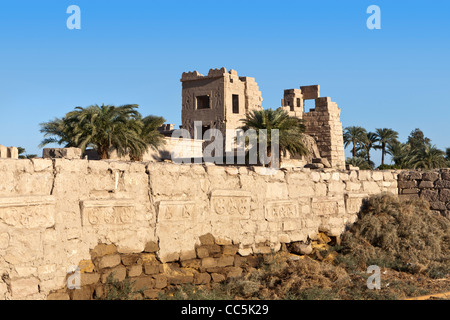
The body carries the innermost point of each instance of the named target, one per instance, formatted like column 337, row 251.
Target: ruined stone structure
column 54, row 213
column 433, row 186
column 221, row 99
column 322, row 122
column 9, row 152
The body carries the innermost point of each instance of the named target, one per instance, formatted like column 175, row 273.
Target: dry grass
column 403, row 235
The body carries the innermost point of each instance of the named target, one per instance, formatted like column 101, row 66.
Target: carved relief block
column 175, row 210
column 109, row 212
column 324, row 206
column 353, row 203
column 28, row 211
column 231, row 203
column 282, row 209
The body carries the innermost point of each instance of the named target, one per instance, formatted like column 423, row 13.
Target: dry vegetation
column 409, row 243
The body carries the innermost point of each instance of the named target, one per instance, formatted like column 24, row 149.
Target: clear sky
column 135, row 52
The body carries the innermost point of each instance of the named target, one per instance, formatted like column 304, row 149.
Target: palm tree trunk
column 383, row 150
column 354, row 150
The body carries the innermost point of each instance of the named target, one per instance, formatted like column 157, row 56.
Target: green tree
column 429, row 157
column 290, row 130
column 103, row 127
column 354, row 135
column 401, row 154
column 447, row 154
column 368, row 143
column 385, row 138
column 150, row 134
column 417, row 139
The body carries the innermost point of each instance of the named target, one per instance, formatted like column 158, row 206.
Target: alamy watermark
column 374, row 21
column 374, row 281
column 74, row 20
column 250, row 147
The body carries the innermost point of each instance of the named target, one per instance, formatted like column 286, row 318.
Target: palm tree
column 447, row 154
column 103, row 127
column 385, row 137
column 150, row 134
column 401, row 154
column 368, row 143
column 290, row 130
column 429, row 157
column 354, row 135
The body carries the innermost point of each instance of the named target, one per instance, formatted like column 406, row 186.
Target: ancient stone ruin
column 8, row 152
column 221, row 99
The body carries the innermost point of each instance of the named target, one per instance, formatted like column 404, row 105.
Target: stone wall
column 433, row 186
column 54, row 213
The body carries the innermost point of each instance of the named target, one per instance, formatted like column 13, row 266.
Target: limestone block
column 3, row 152
column 67, row 153
column 13, row 153
column 21, row 288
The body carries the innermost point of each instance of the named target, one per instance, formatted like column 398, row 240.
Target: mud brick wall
column 433, row 186
column 55, row 212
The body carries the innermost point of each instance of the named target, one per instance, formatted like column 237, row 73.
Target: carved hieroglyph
column 231, row 203
column 281, row 209
column 324, row 206
column 109, row 212
column 175, row 210
column 28, row 211
column 353, row 203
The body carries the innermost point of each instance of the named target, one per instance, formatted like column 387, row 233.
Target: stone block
column 66, row 153
column 407, row 184
column 202, row 278
column 438, row 205
column 144, row 283
column 13, row 153
column 426, row 184
column 410, row 191
column 444, row 195
column 119, row 273
column 207, row 239
column 151, row 246
column 230, row 250
column 430, row 176
column 134, row 271
column 109, row 261
column 151, row 268
column 225, row 261
column 103, row 249
column 209, row 262
column 87, row 279
column 130, row 259
column 217, row 277
column 160, row 281
column 443, row 184
column 58, row 296
column 84, row 293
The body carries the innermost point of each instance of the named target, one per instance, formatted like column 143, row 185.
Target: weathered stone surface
column 118, row 273
column 426, row 184
column 134, row 271
column 84, row 293
column 109, row 261
column 443, row 184
column 430, row 176
column 58, row 296
column 430, row 195
column 151, row 246
column 444, row 195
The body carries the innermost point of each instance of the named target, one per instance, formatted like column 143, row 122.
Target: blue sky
column 135, row 52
